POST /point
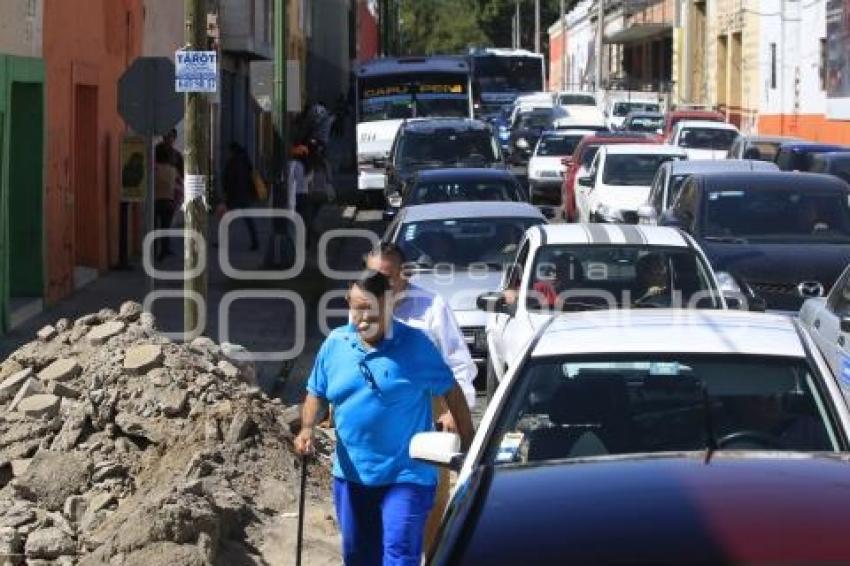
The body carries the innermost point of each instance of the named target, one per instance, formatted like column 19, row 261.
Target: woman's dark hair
column 388, row 250
column 373, row 283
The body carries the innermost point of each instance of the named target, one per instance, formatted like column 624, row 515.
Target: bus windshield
column 422, row 95
column 494, row 73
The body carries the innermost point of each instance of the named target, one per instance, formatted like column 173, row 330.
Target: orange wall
column 808, row 126
column 86, row 42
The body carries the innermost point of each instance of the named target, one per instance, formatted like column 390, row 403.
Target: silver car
column 828, row 320
column 460, row 250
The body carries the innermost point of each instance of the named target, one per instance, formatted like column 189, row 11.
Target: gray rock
column 20, row 466
column 291, row 418
column 72, row 430
column 172, row 402
column 204, row 345
column 9, row 367
column 212, row 433
column 101, row 501
column 49, row 543
column 160, row 377
column 75, row 508
column 132, row 425
column 62, row 369
column 147, row 321
column 11, row 546
column 142, row 359
column 61, row 390
column 61, row 523
column 40, row 405
column 11, row 384
column 240, row 427
column 47, row 333
column 130, row 311
column 62, row 325
column 53, row 477
column 19, row 514
column 228, row 370
column 102, row 333
column 30, row 387
column 111, row 470
column 87, row 320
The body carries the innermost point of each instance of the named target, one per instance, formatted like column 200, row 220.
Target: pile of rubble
column 119, row 446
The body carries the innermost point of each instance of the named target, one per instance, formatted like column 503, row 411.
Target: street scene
column 444, row 282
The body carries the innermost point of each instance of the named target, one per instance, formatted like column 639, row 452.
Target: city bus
column 391, row 90
column 500, row 75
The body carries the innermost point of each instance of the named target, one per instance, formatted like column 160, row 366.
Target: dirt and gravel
column 119, row 446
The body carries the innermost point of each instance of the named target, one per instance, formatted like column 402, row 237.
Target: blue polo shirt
column 374, row 424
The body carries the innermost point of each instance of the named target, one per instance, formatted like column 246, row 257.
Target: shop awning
column 639, row 32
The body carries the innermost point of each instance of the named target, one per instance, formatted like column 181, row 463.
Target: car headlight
column 522, row 143
column 727, row 283
column 609, row 214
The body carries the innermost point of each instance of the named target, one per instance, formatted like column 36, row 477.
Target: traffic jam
column 658, row 306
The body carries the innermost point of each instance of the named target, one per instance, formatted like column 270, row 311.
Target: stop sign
column 146, row 97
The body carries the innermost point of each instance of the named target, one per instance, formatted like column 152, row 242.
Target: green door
column 25, row 190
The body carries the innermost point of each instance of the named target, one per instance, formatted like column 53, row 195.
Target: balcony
column 246, row 28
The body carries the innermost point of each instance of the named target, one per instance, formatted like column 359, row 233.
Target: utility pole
column 197, row 173
column 537, row 26
column 279, row 93
column 518, row 28
column 563, row 45
column 600, row 30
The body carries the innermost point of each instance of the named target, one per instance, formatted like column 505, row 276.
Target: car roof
column 694, row 166
column 834, row 156
column 705, row 124
column 393, row 65
column 644, row 114
column 643, row 149
column 430, row 125
column 758, row 138
column 772, row 180
column 695, row 113
column 450, row 173
column 488, row 209
column 566, row 132
column 670, row 331
column 612, row 138
column 634, row 101
column 604, row 234
column 811, row 146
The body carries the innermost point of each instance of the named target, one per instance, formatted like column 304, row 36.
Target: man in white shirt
column 430, row 313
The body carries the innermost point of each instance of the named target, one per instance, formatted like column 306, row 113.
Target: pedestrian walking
column 298, row 186
column 239, row 188
column 164, row 182
column 380, row 375
column 429, row 312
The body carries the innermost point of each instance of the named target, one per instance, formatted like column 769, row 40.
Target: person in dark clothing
column 239, row 186
column 164, row 181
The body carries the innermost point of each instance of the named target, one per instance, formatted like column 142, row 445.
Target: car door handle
column 817, row 323
column 841, row 340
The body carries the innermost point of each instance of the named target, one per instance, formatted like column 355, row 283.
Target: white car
column 459, row 250
column 703, row 139
column 582, row 121
column 828, row 319
column 546, row 167
column 618, row 181
column 662, row 383
column 576, row 99
column 527, row 102
column 606, row 265
column 617, row 109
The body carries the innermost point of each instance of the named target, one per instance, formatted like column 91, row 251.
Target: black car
column 778, row 236
column 458, row 185
column 526, row 129
column 645, row 122
column 798, row 155
column 432, row 143
column 837, row 164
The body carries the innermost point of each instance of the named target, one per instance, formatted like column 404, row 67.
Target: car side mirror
column 585, row 181
column 494, row 302
column 671, row 219
column 394, row 200
column 440, row 448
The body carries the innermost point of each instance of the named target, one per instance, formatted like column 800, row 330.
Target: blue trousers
column 382, row 526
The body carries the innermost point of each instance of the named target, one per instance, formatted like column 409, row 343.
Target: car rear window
column 637, row 404
column 465, row 190
column 633, row 169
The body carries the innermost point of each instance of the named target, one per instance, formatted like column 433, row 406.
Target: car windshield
column 464, row 243
column 633, row 169
column 707, row 138
column 568, row 278
column 557, row 145
column 448, row 147
column 535, row 120
column 565, row 408
column 644, row 123
column 621, row 109
column 576, row 100
column 767, row 151
column 398, row 96
column 778, row 214
column 465, row 190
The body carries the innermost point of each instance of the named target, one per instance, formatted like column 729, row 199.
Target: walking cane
column 301, row 497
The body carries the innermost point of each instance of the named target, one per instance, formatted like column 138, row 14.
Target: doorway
column 87, row 208
column 26, row 142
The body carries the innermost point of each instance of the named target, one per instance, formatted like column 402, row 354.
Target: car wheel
column 492, row 381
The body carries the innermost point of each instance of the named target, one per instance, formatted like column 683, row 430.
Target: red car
column 672, row 118
column 583, row 156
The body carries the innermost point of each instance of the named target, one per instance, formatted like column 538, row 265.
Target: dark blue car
column 779, row 236
column 797, row 155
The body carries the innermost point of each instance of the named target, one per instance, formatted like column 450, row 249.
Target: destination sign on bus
column 423, row 88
